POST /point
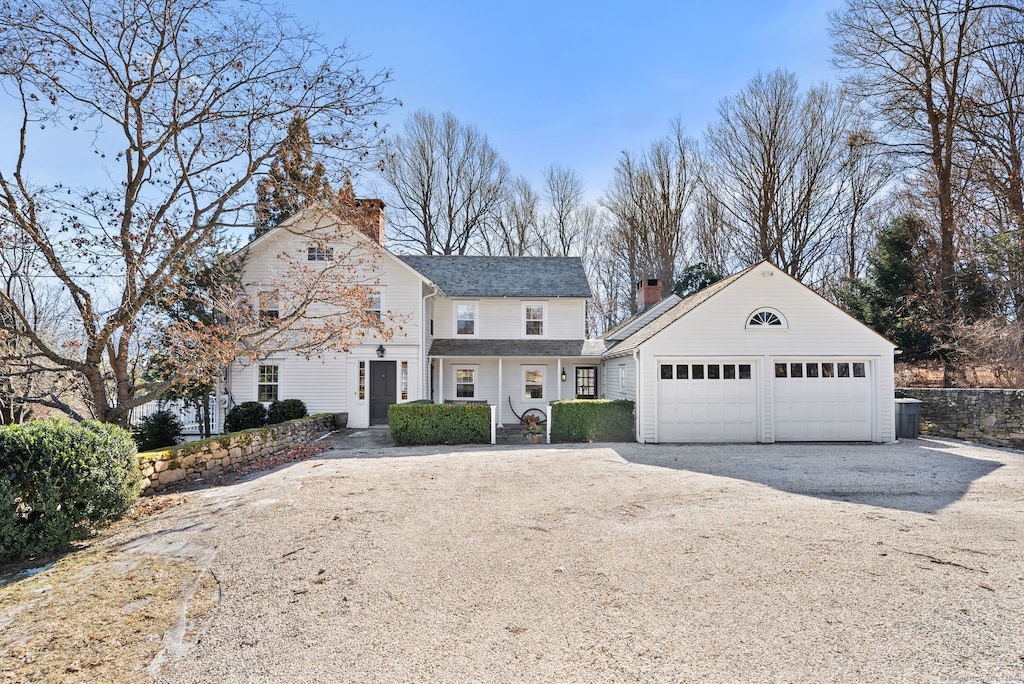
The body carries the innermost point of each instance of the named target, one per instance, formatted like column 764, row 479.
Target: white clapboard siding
column 816, row 329
column 505, row 318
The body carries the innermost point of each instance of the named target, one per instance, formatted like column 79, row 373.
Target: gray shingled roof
column 631, row 325
column 495, row 348
column 487, row 276
column 671, row 316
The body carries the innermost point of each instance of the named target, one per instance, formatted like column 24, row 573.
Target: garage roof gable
column 698, row 299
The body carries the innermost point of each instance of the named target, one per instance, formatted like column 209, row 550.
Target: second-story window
column 465, row 319
column 535, row 319
column 374, row 303
column 319, row 253
column 269, row 305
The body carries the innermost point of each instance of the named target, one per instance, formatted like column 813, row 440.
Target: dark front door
column 586, row 382
column 383, row 386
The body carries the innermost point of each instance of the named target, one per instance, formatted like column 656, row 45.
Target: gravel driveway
column 614, row 563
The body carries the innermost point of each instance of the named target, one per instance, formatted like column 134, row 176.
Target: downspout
column 637, row 387
column 425, row 359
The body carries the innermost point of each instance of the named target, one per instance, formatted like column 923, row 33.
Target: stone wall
column 208, row 457
column 986, row 416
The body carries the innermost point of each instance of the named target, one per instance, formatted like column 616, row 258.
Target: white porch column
column 501, row 404
column 440, row 379
column 558, row 379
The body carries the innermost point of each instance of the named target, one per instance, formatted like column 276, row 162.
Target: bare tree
column 447, row 182
column 712, row 243
column 867, row 170
column 995, row 129
column 569, row 221
column 775, row 161
column 650, row 196
column 514, row 228
column 181, row 104
column 913, row 62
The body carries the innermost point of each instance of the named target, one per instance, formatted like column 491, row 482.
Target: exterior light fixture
column 563, row 375
column 380, row 351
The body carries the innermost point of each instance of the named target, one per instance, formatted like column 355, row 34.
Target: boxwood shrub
column 60, row 481
column 285, row 410
column 416, row 423
column 592, row 420
column 159, row 429
column 248, row 414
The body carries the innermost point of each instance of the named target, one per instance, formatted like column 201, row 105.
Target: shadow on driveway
column 921, row 475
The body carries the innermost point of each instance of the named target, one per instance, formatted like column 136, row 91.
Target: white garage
column 707, row 400
column 757, row 357
column 823, row 400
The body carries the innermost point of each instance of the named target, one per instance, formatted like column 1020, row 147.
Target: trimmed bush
column 285, row 410
column 160, row 429
column 592, row 420
column 248, row 414
column 440, row 423
column 60, row 481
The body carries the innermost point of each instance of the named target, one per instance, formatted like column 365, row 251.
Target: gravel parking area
column 612, row 563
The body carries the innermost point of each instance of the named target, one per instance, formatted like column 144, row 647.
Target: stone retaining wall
column 208, row 457
column 986, row 416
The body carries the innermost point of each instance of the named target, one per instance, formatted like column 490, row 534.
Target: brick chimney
column 648, row 293
column 368, row 215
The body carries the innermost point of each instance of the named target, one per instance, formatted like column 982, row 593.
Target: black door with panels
column 383, row 390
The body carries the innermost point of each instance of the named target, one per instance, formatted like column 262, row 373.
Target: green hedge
column 60, row 481
column 440, row 423
column 592, row 420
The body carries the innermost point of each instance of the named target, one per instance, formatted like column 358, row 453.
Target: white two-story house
column 505, row 331
column 757, row 357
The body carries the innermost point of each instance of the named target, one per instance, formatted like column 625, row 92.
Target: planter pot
column 535, row 439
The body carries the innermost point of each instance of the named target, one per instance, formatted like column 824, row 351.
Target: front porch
column 476, row 371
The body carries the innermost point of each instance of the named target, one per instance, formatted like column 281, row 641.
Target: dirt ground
column 609, row 563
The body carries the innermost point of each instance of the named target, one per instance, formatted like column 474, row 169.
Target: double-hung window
column 465, row 382
column 465, row 318
column 269, row 305
column 374, row 304
column 533, row 382
column 534, row 315
column 267, row 383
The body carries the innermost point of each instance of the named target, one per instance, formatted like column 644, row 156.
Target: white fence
column 186, row 412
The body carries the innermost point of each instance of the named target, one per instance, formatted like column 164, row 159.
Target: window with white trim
column 465, row 382
column 374, row 304
column 319, row 253
column 534, row 314
column 405, row 381
column 766, row 319
column 362, row 380
column 533, row 382
column 268, row 380
column 269, row 305
column 465, row 318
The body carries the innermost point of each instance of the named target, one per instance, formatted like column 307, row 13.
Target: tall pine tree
column 296, row 179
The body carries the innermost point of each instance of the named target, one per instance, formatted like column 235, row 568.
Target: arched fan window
column 766, row 318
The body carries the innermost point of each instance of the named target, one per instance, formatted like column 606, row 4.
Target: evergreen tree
column 889, row 298
column 295, row 180
column 695, row 278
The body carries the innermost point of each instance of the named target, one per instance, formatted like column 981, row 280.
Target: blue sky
column 570, row 83
column 574, row 83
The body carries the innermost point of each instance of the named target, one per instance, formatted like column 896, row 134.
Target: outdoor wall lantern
column 563, row 375
column 380, row 351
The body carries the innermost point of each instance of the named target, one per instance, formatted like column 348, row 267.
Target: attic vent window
column 766, row 318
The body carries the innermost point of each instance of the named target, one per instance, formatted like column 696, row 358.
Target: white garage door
column 706, row 401
column 823, row 401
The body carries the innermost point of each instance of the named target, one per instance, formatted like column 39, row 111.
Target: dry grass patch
column 98, row 614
